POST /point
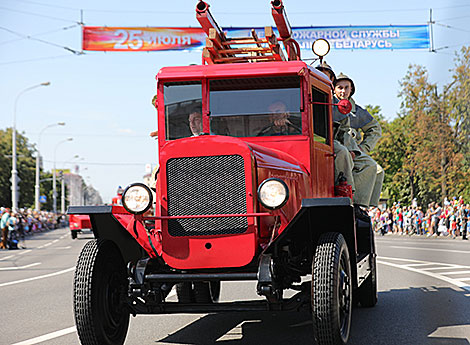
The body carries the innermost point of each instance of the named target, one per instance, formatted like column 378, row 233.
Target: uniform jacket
column 365, row 129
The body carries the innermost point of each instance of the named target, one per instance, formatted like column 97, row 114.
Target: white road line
column 455, row 282
column 464, row 278
column 416, row 265
column 55, row 241
column 48, row 336
column 67, row 247
column 47, row 244
column 26, row 251
column 454, row 272
column 441, row 268
column 38, row 277
column 432, row 249
column 6, row 257
column 18, row 267
column 411, row 260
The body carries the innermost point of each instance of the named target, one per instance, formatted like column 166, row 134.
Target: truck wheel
column 331, row 290
column 74, row 234
column 367, row 292
column 100, row 285
column 185, row 292
column 206, row 292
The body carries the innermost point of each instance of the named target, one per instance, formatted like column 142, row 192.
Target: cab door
column 322, row 139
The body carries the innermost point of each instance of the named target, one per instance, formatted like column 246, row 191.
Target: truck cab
column 245, row 191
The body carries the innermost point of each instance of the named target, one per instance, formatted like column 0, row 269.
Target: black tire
column 185, row 292
column 331, row 290
column 198, row 292
column 100, row 284
column 367, row 292
column 74, row 234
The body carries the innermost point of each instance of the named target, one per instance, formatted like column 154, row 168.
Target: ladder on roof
column 220, row 49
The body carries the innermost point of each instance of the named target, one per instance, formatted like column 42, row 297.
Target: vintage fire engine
column 78, row 223
column 245, row 191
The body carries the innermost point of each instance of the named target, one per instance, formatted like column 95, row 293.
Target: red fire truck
column 78, row 223
column 245, row 191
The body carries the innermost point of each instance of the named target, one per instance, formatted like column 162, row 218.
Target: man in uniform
column 343, row 155
column 367, row 174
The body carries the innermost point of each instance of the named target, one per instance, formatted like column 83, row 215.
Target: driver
column 195, row 123
column 280, row 123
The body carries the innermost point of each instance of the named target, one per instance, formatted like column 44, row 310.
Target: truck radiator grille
column 206, row 185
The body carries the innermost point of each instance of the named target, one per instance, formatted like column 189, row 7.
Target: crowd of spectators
column 450, row 219
column 16, row 226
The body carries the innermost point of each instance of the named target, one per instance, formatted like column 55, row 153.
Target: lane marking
column 47, row 244
column 440, row 268
column 455, row 282
column 38, row 277
column 26, row 251
column 433, row 249
column 48, row 336
column 454, row 272
column 6, row 257
column 67, row 247
column 55, row 241
column 18, row 267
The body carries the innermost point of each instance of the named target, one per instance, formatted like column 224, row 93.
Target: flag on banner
column 382, row 37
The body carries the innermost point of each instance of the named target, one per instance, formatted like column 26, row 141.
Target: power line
column 95, row 163
column 76, row 52
column 48, row 5
column 41, row 34
column 452, row 27
column 38, row 15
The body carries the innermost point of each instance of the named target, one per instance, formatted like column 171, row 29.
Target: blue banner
column 381, row 37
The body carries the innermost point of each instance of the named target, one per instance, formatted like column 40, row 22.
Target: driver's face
column 195, row 123
column 279, row 114
column 343, row 89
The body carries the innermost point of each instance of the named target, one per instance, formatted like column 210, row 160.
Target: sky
column 105, row 98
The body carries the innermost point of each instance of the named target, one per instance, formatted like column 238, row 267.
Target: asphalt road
column 424, row 298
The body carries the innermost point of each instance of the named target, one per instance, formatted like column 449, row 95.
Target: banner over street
column 380, row 37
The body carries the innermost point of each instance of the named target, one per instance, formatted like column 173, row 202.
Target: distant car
column 78, row 223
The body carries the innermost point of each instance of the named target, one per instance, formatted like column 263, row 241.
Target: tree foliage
column 425, row 151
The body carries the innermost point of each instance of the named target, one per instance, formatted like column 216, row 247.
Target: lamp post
column 14, row 171
column 54, row 182
column 37, row 205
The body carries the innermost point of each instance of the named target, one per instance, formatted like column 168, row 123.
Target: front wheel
column 100, row 286
column 331, row 296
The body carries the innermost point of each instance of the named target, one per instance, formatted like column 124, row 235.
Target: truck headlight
column 273, row 193
column 137, row 198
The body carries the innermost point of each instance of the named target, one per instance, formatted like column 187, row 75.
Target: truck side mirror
column 344, row 106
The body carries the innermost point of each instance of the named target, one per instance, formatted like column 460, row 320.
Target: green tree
column 26, row 165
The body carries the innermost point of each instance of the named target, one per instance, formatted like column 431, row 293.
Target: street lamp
column 54, row 182
column 37, row 205
column 14, row 172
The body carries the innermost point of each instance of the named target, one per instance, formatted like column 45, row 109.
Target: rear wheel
column 367, row 292
column 100, row 286
column 199, row 292
column 331, row 290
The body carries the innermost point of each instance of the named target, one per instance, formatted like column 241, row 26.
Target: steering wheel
column 267, row 129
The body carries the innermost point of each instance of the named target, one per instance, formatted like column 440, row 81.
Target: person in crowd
column 4, row 227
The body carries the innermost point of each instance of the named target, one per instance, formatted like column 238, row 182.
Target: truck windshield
column 253, row 107
column 183, row 109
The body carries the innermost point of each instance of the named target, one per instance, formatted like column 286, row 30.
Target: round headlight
column 273, row 193
column 321, row 47
column 137, row 198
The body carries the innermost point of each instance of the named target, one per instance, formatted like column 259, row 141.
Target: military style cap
column 325, row 67
column 342, row 76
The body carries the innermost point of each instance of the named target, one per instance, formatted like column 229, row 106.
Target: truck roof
column 192, row 72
